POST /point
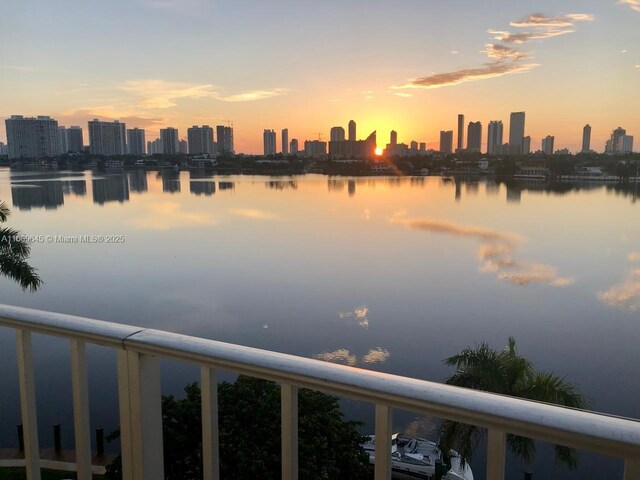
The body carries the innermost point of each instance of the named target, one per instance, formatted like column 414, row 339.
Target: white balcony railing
column 138, row 350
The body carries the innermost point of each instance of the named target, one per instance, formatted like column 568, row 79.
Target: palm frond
column 17, row 269
column 566, row 456
column 522, row 447
column 11, row 242
column 4, row 212
column 461, row 437
column 549, row 388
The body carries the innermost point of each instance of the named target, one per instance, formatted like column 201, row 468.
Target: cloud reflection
column 345, row 357
column 359, row 314
column 496, row 252
column 169, row 215
column 625, row 295
column 252, row 213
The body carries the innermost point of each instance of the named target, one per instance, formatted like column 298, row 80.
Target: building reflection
column 201, row 183
column 138, row 181
column 111, row 188
column 226, row 186
column 514, row 193
column 458, row 189
column 335, row 185
column 170, row 181
column 48, row 195
column 282, row 185
column 74, row 187
column 351, row 187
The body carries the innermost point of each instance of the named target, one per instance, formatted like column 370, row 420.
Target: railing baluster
column 384, row 417
column 210, row 434
column 81, row 424
column 631, row 469
column 289, row 416
column 28, row 404
column 140, row 416
column 495, row 454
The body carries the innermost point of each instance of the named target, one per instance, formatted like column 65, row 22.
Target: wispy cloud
column 504, row 59
column 489, row 70
column 632, row 4
column 403, row 94
column 541, row 20
column 496, row 252
column 157, row 94
column 19, row 68
column 523, row 37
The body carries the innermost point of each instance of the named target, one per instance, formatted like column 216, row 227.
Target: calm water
column 384, row 273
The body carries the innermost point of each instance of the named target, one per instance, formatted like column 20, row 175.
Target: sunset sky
column 406, row 65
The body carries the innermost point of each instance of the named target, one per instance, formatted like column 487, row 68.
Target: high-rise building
column 625, row 144
column 183, row 147
column 75, row 142
column 4, row 149
column 474, row 136
column 393, row 140
column 33, row 137
column 269, row 142
column 446, row 142
column 293, row 146
column 135, row 141
column 336, row 134
column 170, row 141
column 423, row 146
column 586, row 138
column 352, row 131
column 224, row 140
column 107, row 138
column 526, row 145
column 63, row 143
column 154, row 147
column 494, row 139
column 547, row 145
column 460, row 131
column 285, row 141
column 200, row 140
column 315, row 148
column 413, row 145
column 516, row 132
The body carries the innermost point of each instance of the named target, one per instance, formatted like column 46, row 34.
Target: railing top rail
column 605, row 434
column 90, row 330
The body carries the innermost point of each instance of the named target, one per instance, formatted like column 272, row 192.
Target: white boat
column 417, row 458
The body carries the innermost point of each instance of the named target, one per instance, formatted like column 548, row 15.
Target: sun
column 378, row 151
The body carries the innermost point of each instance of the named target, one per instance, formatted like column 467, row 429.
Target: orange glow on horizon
column 378, row 151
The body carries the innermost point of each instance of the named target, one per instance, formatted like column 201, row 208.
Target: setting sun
column 378, row 151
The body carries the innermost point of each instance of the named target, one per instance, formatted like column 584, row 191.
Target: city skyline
column 412, row 74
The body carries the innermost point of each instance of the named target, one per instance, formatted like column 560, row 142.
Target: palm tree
column 506, row 373
column 14, row 252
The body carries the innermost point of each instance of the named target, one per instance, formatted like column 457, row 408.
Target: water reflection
column 282, row 185
column 226, row 186
column 201, row 183
column 625, row 295
column 359, row 314
column 111, row 188
column 170, row 180
column 48, row 195
column 44, row 189
column 496, row 253
column 138, row 181
column 344, row 356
